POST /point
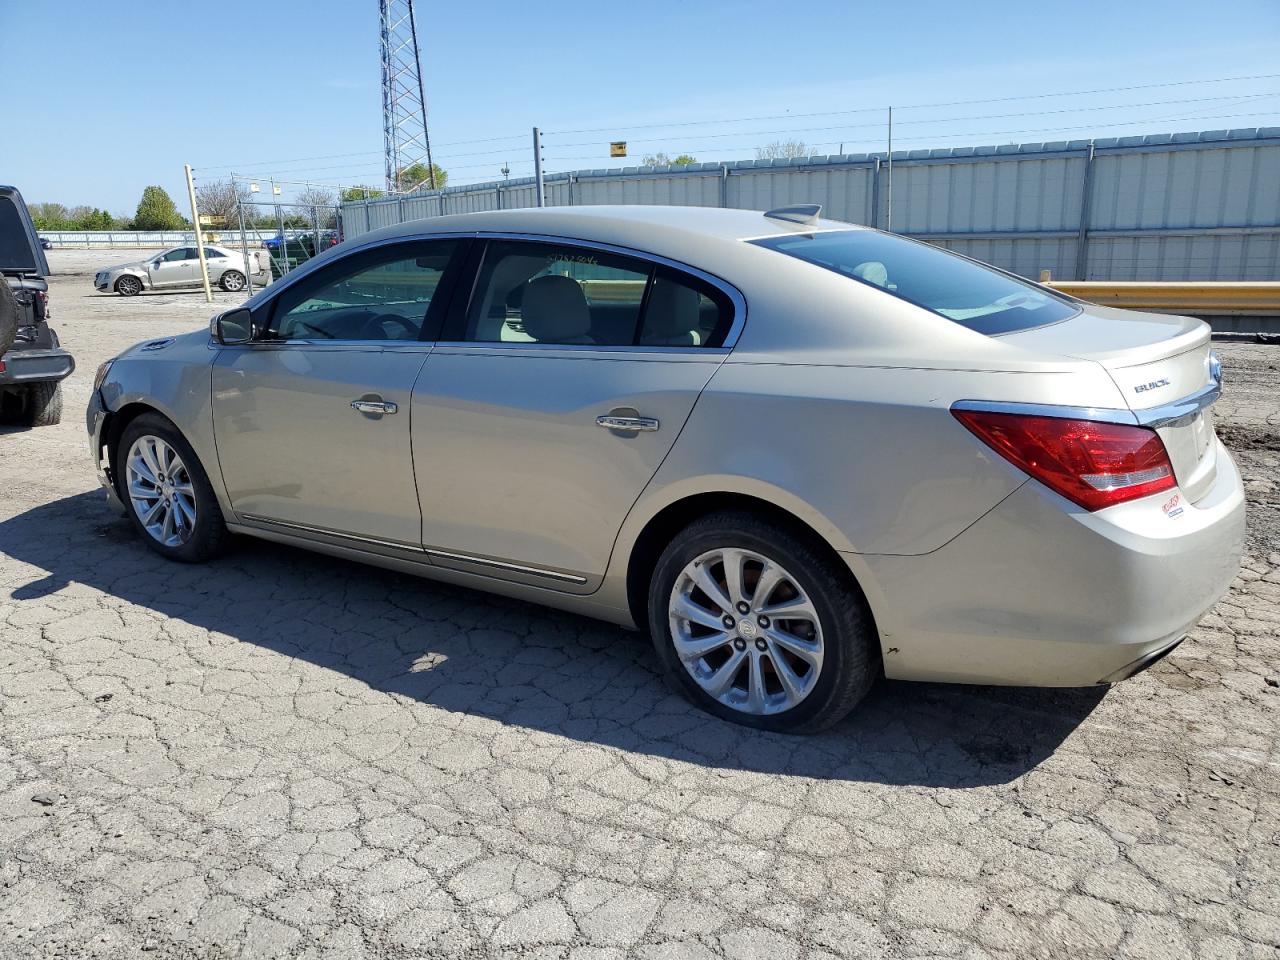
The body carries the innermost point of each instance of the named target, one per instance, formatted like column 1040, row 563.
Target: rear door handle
column 374, row 406
column 629, row 424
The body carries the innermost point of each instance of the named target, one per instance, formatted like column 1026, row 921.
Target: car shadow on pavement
column 518, row 663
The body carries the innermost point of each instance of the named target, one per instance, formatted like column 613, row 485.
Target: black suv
column 32, row 363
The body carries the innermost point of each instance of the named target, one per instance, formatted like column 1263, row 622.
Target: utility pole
column 195, row 220
column 537, row 167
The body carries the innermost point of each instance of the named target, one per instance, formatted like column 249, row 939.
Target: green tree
column 50, row 216
column 662, row 160
column 157, row 211
column 96, row 220
column 359, row 193
column 416, row 176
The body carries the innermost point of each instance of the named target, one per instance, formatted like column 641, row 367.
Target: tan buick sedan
column 798, row 452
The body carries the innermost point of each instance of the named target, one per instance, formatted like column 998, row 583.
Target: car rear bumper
column 1041, row 593
column 31, row 366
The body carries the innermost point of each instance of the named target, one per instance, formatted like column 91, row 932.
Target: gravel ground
column 286, row 755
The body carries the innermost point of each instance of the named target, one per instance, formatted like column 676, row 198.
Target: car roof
column 640, row 226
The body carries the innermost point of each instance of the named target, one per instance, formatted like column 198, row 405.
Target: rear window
column 974, row 296
column 15, row 245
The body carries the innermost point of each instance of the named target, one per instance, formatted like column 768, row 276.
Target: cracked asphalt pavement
column 286, row 755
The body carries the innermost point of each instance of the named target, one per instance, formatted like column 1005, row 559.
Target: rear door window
column 685, row 311
column 551, row 293
column 965, row 292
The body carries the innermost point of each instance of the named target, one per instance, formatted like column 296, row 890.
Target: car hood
column 185, row 345
column 131, row 265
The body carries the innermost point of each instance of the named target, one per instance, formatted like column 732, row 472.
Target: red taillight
column 1090, row 463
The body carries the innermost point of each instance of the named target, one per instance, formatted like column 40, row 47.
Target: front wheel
column 756, row 624
column 171, row 502
column 232, row 281
column 128, row 286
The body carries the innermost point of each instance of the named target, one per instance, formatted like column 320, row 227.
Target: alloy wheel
column 232, row 281
column 746, row 631
column 161, row 491
column 129, row 286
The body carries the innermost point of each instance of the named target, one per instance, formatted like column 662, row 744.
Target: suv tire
column 43, row 404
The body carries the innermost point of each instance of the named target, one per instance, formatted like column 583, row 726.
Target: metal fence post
column 875, row 195
column 724, row 184
column 244, row 248
column 540, row 185
column 284, row 244
column 888, row 213
column 1086, row 202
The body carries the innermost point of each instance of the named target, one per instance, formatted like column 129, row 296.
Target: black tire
column 232, row 281
column 42, row 404
column 851, row 645
column 128, row 286
column 209, row 534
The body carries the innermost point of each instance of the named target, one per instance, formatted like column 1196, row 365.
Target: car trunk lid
column 1164, row 370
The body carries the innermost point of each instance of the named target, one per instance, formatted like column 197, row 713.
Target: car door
column 312, row 417
column 217, row 262
column 174, row 268
column 551, row 400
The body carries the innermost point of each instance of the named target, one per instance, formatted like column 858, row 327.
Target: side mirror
column 233, row 327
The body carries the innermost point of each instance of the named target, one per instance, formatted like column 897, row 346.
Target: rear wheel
column 232, row 281
column 44, row 404
column 171, row 502
column 128, row 286
column 34, row 405
column 756, row 624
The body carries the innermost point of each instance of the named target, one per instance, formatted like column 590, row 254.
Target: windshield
column 974, row 296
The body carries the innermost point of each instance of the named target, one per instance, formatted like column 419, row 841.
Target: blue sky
column 119, row 95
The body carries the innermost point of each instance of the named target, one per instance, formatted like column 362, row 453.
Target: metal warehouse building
column 1181, row 206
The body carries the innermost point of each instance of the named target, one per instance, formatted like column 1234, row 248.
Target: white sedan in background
column 177, row 267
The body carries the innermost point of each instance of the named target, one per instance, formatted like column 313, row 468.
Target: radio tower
column 404, row 99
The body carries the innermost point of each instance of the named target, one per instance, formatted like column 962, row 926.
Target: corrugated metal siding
column 1188, row 206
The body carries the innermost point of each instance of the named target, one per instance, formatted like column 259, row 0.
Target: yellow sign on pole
column 618, row 148
column 212, row 220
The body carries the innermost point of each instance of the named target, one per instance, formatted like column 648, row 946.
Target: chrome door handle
column 630, row 424
column 374, row 406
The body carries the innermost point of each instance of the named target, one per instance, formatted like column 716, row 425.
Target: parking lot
column 286, row 755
